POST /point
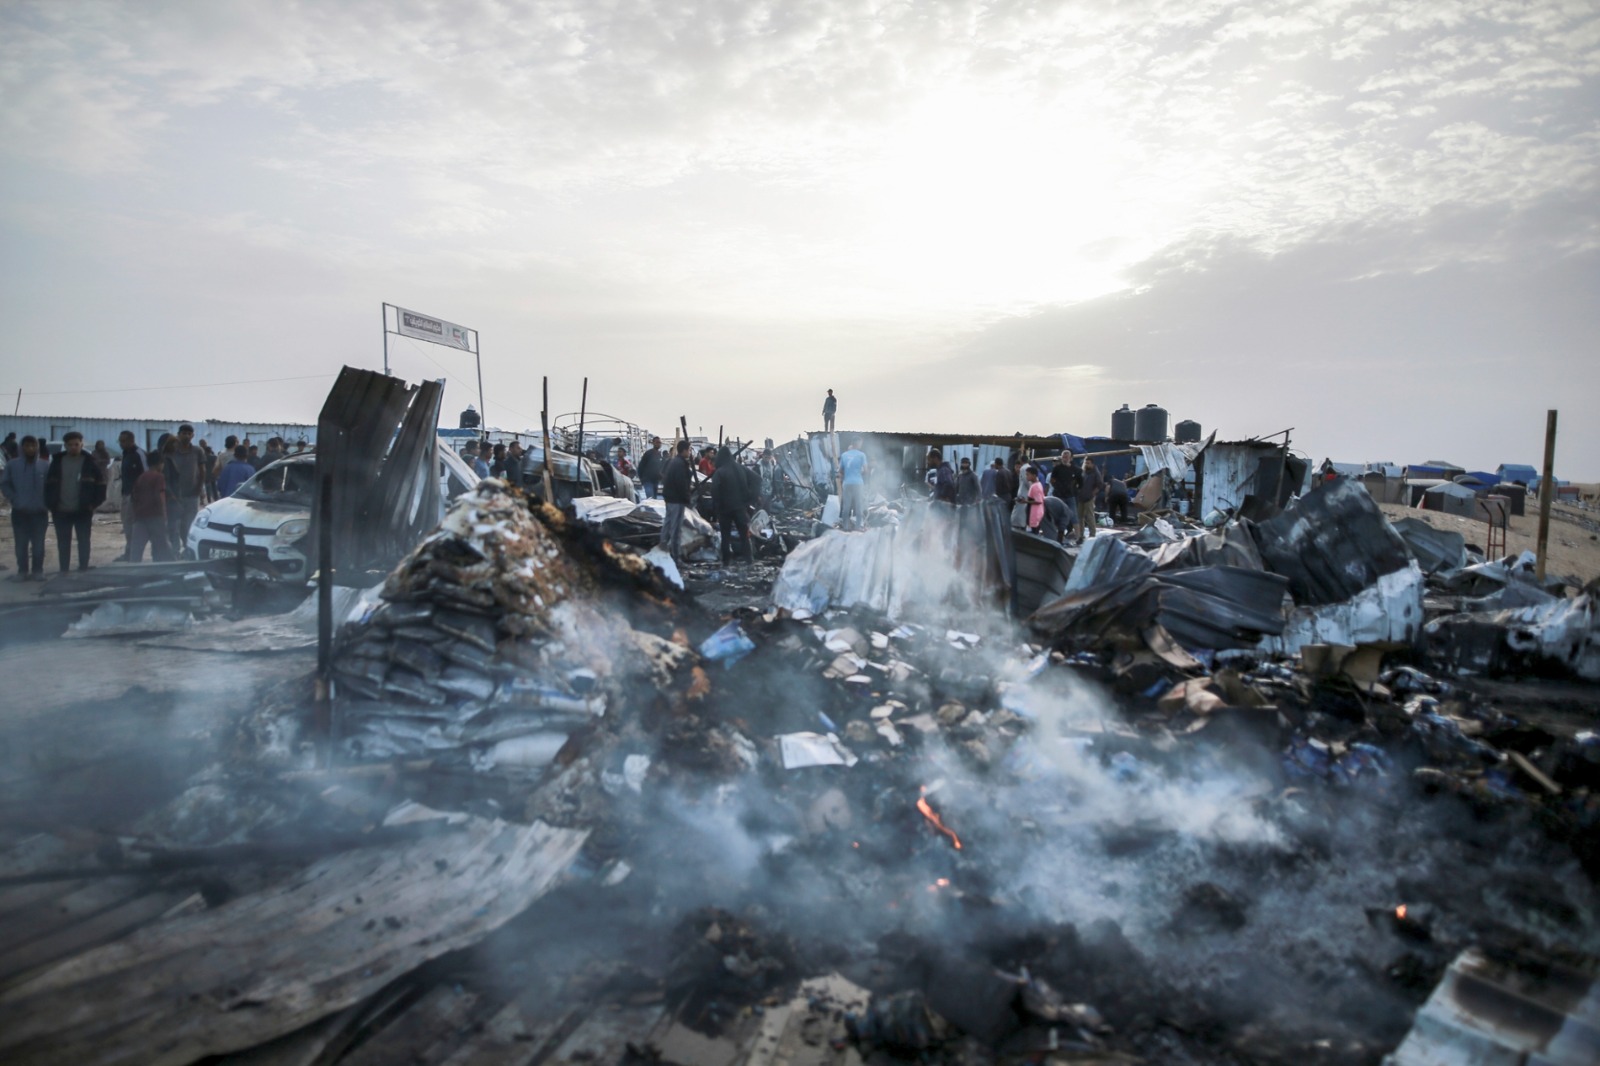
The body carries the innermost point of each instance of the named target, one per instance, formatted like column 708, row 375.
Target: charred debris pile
column 568, row 814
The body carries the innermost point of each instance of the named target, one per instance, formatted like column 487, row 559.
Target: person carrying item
column 853, row 491
column 729, row 493
column 675, row 490
column 1090, row 488
column 73, row 488
column 22, row 484
column 237, row 471
column 830, row 407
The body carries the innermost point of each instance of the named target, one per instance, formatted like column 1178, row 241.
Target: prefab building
column 148, row 430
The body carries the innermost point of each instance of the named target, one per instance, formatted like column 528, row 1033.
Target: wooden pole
column 1547, row 491
column 17, row 408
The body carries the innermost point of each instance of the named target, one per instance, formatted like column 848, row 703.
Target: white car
column 273, row 509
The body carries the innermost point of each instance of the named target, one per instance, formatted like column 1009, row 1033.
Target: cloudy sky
column 1375, row 222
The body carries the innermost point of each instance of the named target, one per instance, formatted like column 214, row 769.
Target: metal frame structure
column 483, row 413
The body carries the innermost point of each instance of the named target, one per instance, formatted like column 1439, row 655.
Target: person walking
column 22, row 484
column 729, row 494
column 650, row 464
column 149, row 514
column 73, row 488
column 235, row 473
column 830, row 407
column 1090, row 488
column 853, row 494
column 134, row 463
column 675, row 490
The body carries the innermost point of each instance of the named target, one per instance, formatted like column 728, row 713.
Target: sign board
column 437, row 330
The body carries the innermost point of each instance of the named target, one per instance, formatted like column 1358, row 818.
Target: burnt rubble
column 570, row 813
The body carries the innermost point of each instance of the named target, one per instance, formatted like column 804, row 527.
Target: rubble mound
column 477, row 643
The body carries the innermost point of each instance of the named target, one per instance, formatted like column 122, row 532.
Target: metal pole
column 17, row 408
column 583, row 408
column 549, row 478
column 1547, row 491
column 384, row 315
column 483, row 411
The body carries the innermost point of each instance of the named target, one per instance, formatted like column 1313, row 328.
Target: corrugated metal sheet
column 148, row 430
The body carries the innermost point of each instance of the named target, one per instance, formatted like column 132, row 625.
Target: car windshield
column 287, row 481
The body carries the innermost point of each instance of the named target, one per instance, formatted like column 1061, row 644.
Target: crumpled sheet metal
column 1232, row 545
column 625, row 520
column 1561, row 632
column 1107, row 560
column 1437, row 551
column 1390, row 611
column 1208, row 608
column 1331, row 544
column 939, row 561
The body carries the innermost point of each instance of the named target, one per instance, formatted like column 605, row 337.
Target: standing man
column 989, row 481
column 185, row 472
column 9, row 449
column 22, row 483
column 853, row 500
column 512, row 469
column 968, row 488
column 675, row 490
column 829, row 407
column 275, row 451
column 1087, row 491
column 650, row 464
column 134, row 463
column 728, row 491
column 73, row 488
column 1065, row 480
column 235, row 473
column 941, row 477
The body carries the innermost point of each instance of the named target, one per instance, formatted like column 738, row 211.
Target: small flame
column 942, row 882
column 1400, row 912
column 933, row 816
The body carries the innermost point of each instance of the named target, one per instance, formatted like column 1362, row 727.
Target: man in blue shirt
column 236, row 473
column 852, row 501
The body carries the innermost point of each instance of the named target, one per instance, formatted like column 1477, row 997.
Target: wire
column 159, row 388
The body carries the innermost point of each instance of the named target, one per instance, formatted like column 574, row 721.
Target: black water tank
column 1122, row 424
column 1150, row 423
column 1188, row 432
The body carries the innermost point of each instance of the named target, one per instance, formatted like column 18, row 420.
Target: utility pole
column 1547, row 491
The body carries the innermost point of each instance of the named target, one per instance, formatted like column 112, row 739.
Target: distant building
column 148, row 430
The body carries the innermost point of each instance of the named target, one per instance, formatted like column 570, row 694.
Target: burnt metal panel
column 377, row 441
column 1331, row 543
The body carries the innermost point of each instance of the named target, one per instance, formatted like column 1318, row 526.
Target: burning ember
column 1400, row 912
column 933, row 816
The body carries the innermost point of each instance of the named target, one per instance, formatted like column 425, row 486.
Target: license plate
column 224, row 553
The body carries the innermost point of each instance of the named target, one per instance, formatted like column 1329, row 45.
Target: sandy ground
column 1574, row 536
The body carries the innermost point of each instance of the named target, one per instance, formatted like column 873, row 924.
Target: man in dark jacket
column 941, row 476
column 967, row 487
column 830, row 407
column 133, row 464
column 730, row 494
column 73, row 488
column 1065, row 480
column 1091, row 485
column 675, row 490
column 22, row 483
column 650, row 464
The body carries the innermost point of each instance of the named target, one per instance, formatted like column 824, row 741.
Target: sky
column 1374, row 222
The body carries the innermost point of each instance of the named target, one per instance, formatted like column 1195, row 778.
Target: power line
column 161, row 388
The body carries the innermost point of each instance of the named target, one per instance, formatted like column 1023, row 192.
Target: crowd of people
column 161, row 490
column 1060, row 499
